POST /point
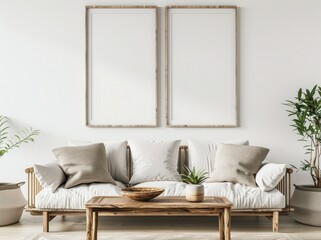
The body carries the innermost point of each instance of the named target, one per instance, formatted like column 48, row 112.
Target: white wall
column 42, row 53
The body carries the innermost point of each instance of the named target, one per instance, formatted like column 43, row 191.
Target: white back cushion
column 201, row 154
column 154, row 161
column 116, row 152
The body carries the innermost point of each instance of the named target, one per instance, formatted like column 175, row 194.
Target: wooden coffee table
column 161, row 206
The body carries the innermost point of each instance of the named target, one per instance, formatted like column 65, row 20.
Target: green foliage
column 7, row 142
column 194, row 177
column 305, row 112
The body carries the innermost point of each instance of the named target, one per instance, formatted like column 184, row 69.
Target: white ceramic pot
column 306, row 204
column 12, row 203
column 194, row 192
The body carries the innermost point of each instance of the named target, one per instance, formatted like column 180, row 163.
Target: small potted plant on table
column 194, row 189
column 12, row 200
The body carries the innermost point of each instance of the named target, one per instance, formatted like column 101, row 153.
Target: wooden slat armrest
column 34, row 187
column 284, row 186
column 289, row 170
column 29, row 170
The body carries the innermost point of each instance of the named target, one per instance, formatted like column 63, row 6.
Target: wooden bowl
column 142, row 193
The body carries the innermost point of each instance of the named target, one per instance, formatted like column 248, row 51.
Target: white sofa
column 247, row 201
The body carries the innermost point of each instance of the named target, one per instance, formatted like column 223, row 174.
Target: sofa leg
column 45, row 221
column 275, row 222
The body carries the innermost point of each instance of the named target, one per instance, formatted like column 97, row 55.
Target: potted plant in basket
column 305, row 111
column 12, row 200
column 194, row 189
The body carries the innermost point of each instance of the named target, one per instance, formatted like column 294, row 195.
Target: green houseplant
column 305, row 113
column 12, row 200
column 7, row 142
column 194, row 189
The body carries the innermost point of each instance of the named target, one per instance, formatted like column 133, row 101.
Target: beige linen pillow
column 116, row 152
column 49, row 175
column 84, row 164
column 201, row 154
column 237, row 163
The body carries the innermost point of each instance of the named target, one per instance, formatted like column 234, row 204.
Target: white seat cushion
column 246, row 197
column 76, row 197
column 242, row 196
column 223, row 189
column 172, row 188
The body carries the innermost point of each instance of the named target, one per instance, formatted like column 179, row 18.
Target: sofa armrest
column 34, row 187
column 284, row 186
column 29, row 170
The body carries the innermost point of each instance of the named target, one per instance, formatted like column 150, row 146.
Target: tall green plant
column 7, row 142
column 305, row 112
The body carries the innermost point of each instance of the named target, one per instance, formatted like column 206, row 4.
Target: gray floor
column 164, row 225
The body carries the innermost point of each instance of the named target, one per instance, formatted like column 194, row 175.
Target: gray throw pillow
column 237, row 163
column 116, row 152
column 49, row 175
column 84, row 164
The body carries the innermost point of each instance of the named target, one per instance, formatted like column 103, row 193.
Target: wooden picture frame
column 121, row 66
column 201, row 79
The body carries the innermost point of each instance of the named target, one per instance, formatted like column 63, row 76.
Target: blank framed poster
column 201, row 66
column 121, row 65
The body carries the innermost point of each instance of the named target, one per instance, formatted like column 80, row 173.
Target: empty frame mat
column 201, row 67
column 121, row 66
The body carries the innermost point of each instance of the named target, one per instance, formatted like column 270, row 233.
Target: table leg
column 227, row 223
column 89, row 219
column 221, row 225
column 95, row 224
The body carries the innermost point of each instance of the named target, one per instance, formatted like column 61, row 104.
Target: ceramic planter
column 194, row 192
column 12, row 203
column 306, row 203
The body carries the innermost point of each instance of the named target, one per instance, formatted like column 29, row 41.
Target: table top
column 159, row 202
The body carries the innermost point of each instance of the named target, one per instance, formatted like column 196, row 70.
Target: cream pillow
column 154, row 161
column 49, row 175
column 84, row 164
column 237, row 163
column 116, row 152
column 201, row 154
column 269, row 175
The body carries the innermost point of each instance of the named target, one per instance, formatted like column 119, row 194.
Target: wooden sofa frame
column 34, row 188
